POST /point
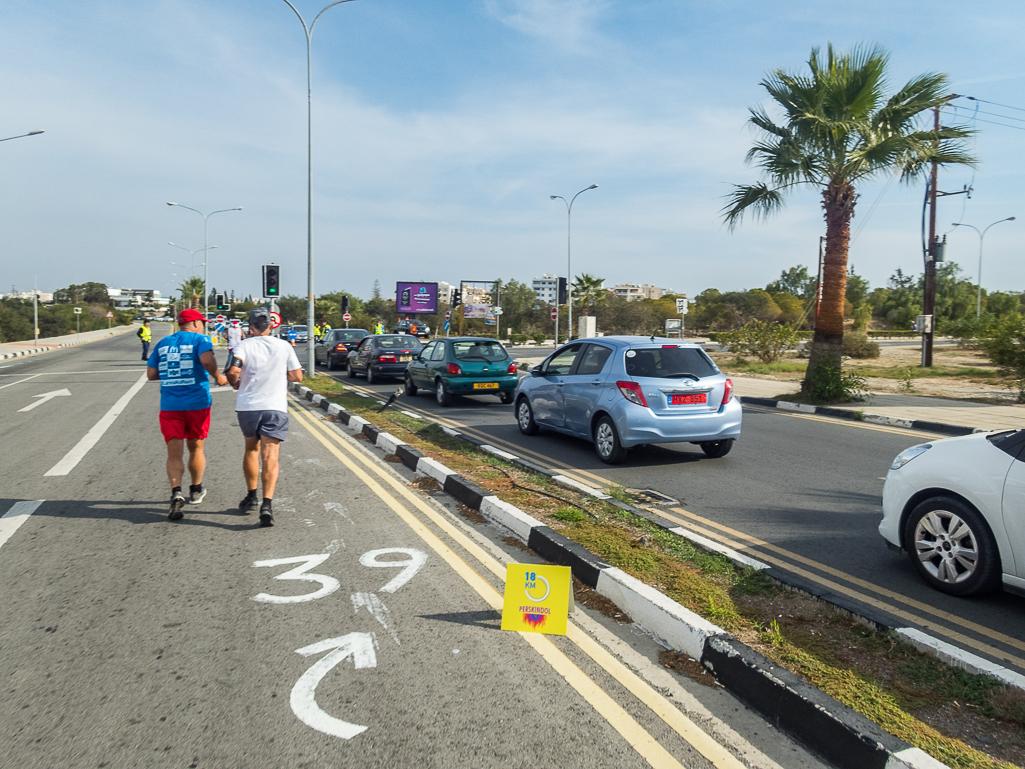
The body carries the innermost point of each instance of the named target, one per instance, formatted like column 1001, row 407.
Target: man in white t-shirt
column 234, row 335
column 261, row 368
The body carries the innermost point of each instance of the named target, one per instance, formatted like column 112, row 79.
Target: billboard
column 416, row 298
column 477, row 310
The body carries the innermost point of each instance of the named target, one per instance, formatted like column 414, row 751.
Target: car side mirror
column 537, row 371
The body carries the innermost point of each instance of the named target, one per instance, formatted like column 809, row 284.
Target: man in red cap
column 178, row 361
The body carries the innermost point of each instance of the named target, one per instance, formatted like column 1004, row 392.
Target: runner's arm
column 234, row 372
column 152, row 374
column 295, row 375
column 210, row 364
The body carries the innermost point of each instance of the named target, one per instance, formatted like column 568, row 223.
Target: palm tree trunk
column 827, row 345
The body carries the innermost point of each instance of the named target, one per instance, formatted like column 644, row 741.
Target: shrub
column 518, row 338
column 766, row 341
column 859, row 346
column 539, row 339
column 827, row 383
column 1006, row 348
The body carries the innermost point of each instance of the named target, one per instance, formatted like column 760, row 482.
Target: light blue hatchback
column 625, row 391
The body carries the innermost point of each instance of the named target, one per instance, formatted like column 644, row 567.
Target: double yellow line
column 403, row 501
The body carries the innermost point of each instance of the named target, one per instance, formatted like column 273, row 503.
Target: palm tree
column 838, row 131
column 589, row 292
column 192, row 291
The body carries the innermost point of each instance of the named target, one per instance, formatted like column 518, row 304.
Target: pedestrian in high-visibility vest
column 146, row 336
column 379, row 328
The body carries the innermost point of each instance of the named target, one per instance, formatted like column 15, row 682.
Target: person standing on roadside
column 261, row 368
column 379, row 328
column 234, row 336
column 177, row 362
column 146, row 335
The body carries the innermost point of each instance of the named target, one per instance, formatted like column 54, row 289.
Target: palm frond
column 762, row 201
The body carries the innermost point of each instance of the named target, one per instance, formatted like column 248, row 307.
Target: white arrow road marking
column 377, row 610
column 17, row 515
column 416, row 560
column 91, row 438
column 44, row 397
column 303, row 701
column 330, row 584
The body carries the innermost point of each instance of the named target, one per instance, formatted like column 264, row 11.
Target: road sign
column 537, row 598
column 555, row 313
column 275, row 319
column 448, row 315
column 498, row 311
column 78, row 311
column 347, row 317
column 292, row 333
column 110, row 314
column 681, row 306
column 446, row 325
column 220, row 318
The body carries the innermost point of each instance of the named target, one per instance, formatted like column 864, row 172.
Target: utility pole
column 929, row 299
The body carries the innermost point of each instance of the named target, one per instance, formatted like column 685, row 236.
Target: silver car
column 625, row 391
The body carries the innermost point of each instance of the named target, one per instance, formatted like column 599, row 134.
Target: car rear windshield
column 484, row 349
column 299, row 328
column 669, row 363
column 350, row 336
column 399, row 343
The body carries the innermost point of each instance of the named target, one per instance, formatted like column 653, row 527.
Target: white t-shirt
column 266, row 361
column 234, row 336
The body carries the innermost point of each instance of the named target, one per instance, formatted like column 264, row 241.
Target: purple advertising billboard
column 416, row 298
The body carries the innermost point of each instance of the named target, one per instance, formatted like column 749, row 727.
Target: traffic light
column 457, row 298
column 271, row 281
column 563, row 297
column 221, row 302
column 345, row 304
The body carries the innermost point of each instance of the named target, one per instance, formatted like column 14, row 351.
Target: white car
column 957, row 506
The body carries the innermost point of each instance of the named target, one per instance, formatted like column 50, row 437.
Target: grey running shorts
column 273, row 424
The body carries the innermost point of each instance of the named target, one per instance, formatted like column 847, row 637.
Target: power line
column 995, row 104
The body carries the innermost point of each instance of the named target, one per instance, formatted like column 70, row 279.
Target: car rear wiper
column 695, row 377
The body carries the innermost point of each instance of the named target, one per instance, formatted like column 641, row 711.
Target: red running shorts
column 185, row 425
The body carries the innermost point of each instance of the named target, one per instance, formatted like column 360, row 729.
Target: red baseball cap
column 187, row 316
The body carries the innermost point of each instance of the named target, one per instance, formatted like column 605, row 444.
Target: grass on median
column 899, row 688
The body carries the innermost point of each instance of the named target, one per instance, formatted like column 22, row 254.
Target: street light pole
column 569, row 271
column 192, row 255
column 22, row 136
column 308, row 29
column 206, row 261
column 978, row 295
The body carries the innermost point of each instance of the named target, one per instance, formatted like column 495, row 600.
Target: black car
column 333, row 348
column 383, row 355
column 404, row 327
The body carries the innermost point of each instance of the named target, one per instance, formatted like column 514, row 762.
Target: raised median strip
column 841, row 735
column 861, row 416
column 87, row 336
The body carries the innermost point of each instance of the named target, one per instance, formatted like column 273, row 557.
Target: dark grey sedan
column 334, row 348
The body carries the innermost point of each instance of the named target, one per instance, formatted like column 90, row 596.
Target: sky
column 441, row 129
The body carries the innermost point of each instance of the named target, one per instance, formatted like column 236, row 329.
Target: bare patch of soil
column 426, row 483
column 514, row 542
column 585, row 596
column 395, row 459
column 683, row 664
column 470, row 514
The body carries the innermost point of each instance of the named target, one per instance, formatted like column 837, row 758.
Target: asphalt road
column 798, row 491
column 129, row 640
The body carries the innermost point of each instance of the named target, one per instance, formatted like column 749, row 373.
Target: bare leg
column 251, row 463
column 197, row 461
column 269, row 453
column 175, row 461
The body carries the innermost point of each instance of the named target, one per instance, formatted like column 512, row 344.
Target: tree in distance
column 838, row 131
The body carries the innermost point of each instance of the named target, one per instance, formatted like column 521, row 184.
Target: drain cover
column 652, row 497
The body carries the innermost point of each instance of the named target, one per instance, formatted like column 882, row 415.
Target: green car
column 462, row 366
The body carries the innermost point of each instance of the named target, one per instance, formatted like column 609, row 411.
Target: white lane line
column 11, row 521
column 70, row 373
column 19, row 381
column 44, row 397
column 90, row 439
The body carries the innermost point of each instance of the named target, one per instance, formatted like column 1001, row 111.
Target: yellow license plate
column 485, row 385
column 405, row 358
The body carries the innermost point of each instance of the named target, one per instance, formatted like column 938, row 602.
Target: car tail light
column 674, row 346
column 340, row 346
column 453, row 368
column 387, row 357
column 728, row 393
column 632, row 392
column 511, row 369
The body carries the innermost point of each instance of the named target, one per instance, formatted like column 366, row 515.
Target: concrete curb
column 835, row 731
column 861, row 416
column 49, row 348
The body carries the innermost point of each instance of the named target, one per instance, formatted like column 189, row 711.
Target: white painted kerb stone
column 508, row 516
column 434, row 469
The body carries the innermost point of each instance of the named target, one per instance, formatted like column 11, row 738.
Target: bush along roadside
column 794, row 657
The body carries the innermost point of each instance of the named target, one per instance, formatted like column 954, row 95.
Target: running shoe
column 196, row 496
column 266, row 516
column 247, row 505
column 177, row 505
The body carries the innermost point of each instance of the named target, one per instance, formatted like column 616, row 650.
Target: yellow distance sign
column 537, row 598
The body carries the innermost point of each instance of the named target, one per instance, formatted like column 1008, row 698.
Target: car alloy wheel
column 952, row 547
column 525, row 418
column 370, row 375
column 606, row 442
column 441, row 394
column 350, row 370
column 410, row 387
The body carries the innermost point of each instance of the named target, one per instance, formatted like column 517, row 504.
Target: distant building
column 546, row 288
column 445, row 292
column 634, row 292
column 476, row 295
column 136, row 298
column 44, row 297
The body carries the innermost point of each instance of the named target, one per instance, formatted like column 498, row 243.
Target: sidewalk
column 30, row 347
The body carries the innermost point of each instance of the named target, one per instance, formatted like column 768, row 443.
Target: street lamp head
column 1010, row 219
column 172, row 204
column 553, row 197
column 239, row 208
column 593, row 187
column 34, row 133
